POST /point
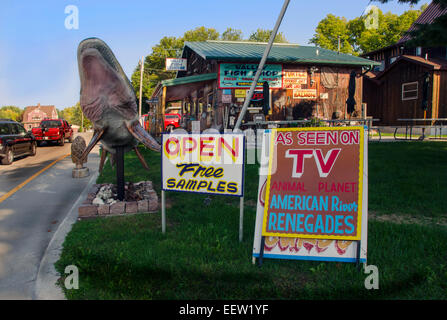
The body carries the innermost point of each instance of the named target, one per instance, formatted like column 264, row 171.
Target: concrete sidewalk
column 34, row 223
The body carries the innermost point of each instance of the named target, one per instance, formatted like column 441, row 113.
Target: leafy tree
column 428, row 35
column 356, row 38
column 154, row 63
column 328, row 32
column 261, row 35
column 74, row 116
column 231, row 34
column 201, row 34
column 11, row 112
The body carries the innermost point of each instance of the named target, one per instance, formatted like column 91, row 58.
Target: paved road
column 24, row 167
column 30, row 216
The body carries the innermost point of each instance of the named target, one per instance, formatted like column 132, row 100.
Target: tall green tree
column 11, row 112
column 231, row 34
column 263, row 35
column 201, row 34
column 428, row 35
column 73, row 115
column 328, row 32
column 155, row 63
column 357, row 37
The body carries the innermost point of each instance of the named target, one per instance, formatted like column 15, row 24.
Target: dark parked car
column 15, row 141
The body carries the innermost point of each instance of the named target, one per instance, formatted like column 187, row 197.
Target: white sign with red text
column 203, row 163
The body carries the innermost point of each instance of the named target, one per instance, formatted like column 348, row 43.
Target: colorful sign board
column 310, row 94
column 241, row 75
column 295, row 74
column 175, row 64
column 257, row 95
column 314, row 185
column 240, row 93
column 203, row 163
column 294, row 79
column 306, row 230
column 227, row 98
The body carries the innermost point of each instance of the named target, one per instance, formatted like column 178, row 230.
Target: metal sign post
column 163, row 212
column 120, row 172
column 261, row 66
column 231, row 161
column 241, row 218
column 250, row 95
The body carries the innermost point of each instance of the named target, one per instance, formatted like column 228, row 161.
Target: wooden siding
column 385, row 102
column 442, row 108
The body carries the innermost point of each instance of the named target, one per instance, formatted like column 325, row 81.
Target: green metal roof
column 280, row 53
column 189, row 79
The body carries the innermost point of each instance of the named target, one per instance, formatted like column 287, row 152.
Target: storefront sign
column 203, row 163
column 226, row 98
column 324, row 95
column 310, row 94
column 174, row 64
column 257, row 96
column 240, row 75
column 240, row 93
column 294, row 79
column 312, row 194
column 295, row 74
column 314, row 185
column 294, row 83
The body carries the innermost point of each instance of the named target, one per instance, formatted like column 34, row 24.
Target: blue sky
column 38, row 54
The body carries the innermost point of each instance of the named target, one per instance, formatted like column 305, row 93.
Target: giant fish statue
column 108, row 101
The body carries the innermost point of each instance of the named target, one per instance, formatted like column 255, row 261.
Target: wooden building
column 397, row 92
column 304, row 82
column 394, row 89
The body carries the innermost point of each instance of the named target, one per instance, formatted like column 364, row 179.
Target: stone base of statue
column 80, row 172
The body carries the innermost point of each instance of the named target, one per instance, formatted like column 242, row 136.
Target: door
column 6, row 135
column 21, row 141
column 67, row 129
column 25, row 138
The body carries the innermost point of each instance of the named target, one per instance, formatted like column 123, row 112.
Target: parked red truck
column 53, row 130
column 172, row 121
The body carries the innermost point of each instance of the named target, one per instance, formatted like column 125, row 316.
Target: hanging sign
column 312, row 195
column 294, row 79
column 324, row 95
column 203, row 163
column 257, row 95
column 310, row 94
column 227, row 98
column 241, row 75
column 240, row 93
column 175, row 64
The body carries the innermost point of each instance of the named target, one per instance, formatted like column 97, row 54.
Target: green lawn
column 200, row 256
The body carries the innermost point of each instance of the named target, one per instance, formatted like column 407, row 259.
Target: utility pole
column 82, row 121
column 339, row 45
column 141, row 86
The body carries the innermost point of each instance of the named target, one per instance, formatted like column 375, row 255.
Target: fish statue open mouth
column 109, row 102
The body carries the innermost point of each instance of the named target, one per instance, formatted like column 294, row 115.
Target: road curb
column 47, row 276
